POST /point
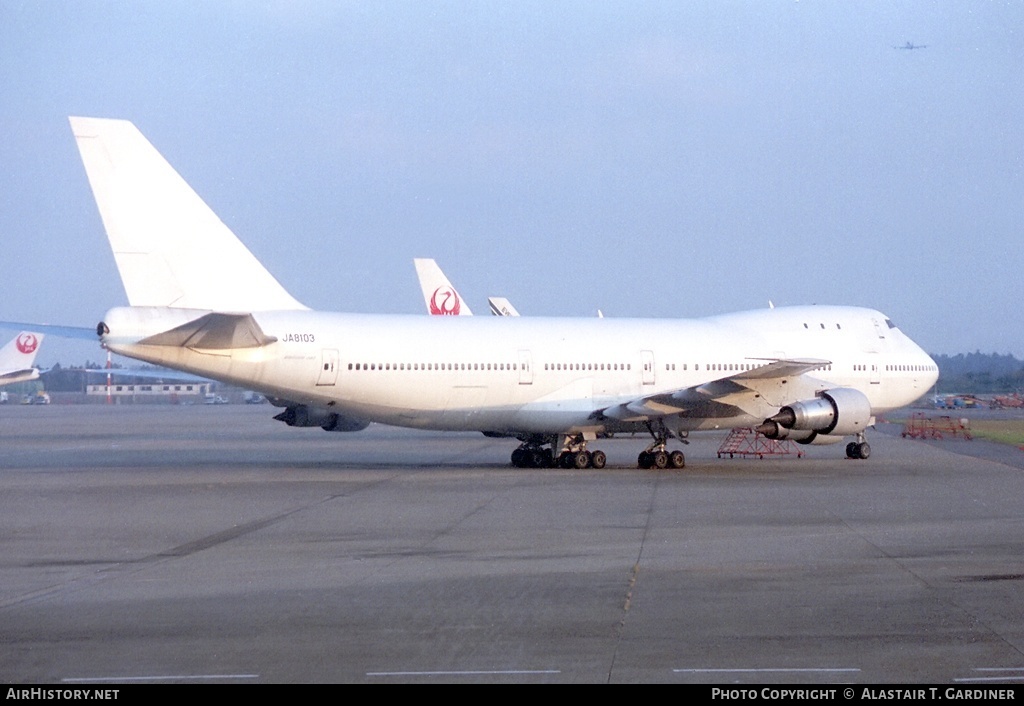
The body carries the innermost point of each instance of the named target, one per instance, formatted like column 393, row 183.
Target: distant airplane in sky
column 17, row 356
column 911, row 45
column 202, row 303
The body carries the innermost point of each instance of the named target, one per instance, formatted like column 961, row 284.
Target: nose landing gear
column 859, row 448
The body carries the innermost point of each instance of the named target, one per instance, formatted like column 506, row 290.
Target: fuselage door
column 647, row 367
column 328, row 367
column 525, row 368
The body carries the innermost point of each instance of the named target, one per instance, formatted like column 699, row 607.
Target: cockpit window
column 889, row 323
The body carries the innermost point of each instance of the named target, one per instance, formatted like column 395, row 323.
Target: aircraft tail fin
column 438, row 293
column 17, row 357
column 500, row 306
column 171, row 249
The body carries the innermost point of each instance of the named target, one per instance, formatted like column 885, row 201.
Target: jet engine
column 304, row 416
column 340, row 422
column 817, row 439
column 839, row 412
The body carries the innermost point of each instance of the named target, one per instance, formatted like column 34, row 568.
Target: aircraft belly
column 464, row 406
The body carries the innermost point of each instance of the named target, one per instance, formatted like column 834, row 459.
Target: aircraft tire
column 581, row 460
column 598, row 459
column 677, row 459
column 661, row 460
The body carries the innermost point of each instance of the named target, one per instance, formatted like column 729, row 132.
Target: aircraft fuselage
column 538, row 374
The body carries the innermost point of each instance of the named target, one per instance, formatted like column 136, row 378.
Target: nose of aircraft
column 927, row 366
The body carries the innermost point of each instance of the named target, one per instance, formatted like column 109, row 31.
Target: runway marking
column 165, row 677
column 464, row 673
column 765, row 670
column 1002, row 670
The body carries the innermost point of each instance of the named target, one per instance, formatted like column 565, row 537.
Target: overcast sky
column 671, row 159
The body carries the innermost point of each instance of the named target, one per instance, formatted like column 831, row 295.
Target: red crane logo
column 445, row 302
column 27, row 343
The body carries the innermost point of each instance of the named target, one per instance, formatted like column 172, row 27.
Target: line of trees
column 980, row 373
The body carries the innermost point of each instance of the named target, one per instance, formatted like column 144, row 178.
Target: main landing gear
column 656, row 455
column 859, row 448
column 573, row 454
column 531, row 455
column 539, row 452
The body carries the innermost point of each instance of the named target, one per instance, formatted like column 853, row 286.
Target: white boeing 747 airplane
column 202, row 303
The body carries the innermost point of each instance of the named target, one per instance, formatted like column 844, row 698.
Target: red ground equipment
column 747, row 442
column 921, row 427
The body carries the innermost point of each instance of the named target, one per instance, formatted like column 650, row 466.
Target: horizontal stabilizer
column 144, row 373
column 214, row 332
column 13, row 376
column 86, row 333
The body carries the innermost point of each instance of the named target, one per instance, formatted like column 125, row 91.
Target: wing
column 758, row 392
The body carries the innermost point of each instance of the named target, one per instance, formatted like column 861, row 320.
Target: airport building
column 151, row 393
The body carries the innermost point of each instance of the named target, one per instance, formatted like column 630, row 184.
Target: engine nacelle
column 817, row 439
column 776, row 432
column 842, row 411
column 342, row 423
column 304, row 416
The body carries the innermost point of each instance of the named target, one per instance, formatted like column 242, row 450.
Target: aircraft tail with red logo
column 17, row 356
column 440, row 296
